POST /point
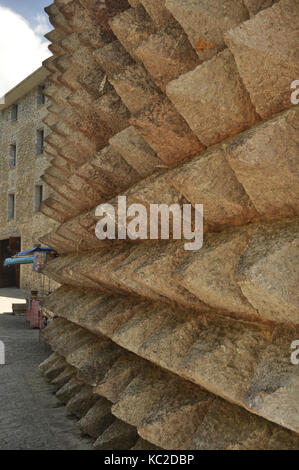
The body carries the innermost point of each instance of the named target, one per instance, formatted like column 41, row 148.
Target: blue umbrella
column 32, row 250
column 21, row 260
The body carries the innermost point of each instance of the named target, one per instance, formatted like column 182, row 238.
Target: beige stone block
column 209, row 180
column 266, row 53
column 283, row 439
column 169, row 345
column 52, row 212
column 167, row 132
column 123, row 275
column 214, row 108
column 141, row 444
column 167, row 55
column 82, row 402
column 205, row 22
column 158, row 12
column 97, row 361
column 118, row 436
column 140, row 395
column 112, row 57
column 268, row 272
column 264, row 160
column 97, row 419
column 135, row 87
column 108, row 172
column 70, row 43
column 131, row 28
column 255, row 6
column 224, row 356
column 123, row 371
column 106, row 11
column 274, row 389
column 209, row 273
column 175, row 418
column 227, row 427
column 63, row 378
column 134, row 3
column 145, row 321
column 69, row 390
column 137, row 153
column 153, row 272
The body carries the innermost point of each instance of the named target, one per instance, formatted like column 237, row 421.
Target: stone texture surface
column 97, row 419
column 132, row 27
column 214, row 109
column 268, row 71
column 255, row 6
column 155, row 396
column 119, row 436
column 221, row 354
column 21, row 179
column 167, row 132
column 180, row 350
column 135, row 87
column 135, row 151
column 265, row 161
column 205, row 22
column 210, row 272
column 209, row 180
column 158, row 12
column 267, row 272
column 275, row 391
column 167, row 55
column 243, row 435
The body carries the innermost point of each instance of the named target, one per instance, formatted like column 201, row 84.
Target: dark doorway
column 9, row 275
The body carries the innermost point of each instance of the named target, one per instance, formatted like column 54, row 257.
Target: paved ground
column 30, row 415
column 9, row 296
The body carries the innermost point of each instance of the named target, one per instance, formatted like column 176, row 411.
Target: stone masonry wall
column 175, row 101
column 21, row 180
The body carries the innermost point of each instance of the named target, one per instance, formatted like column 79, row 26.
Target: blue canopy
column 21, row 260
column 32, row 250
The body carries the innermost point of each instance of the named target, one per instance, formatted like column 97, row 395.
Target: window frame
column 38, row 196
column 12, row 156
column 14, row 112
column 41, row 97
column 39, row 141
column 11, row 206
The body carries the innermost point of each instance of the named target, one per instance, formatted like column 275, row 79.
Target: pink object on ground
column 34, row 315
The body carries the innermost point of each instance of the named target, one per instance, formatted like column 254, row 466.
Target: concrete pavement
column 31, row 417
column 9, row 296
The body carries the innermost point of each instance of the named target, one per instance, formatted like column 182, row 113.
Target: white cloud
column 22, row 50
column 42, row 26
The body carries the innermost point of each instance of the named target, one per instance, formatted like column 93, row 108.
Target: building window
column 14, row 112
column 11, row 206
column 38, row 197
column 41, row 99
column 12, row 156
column 39, row 142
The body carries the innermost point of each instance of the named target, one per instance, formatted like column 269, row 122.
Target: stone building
column 22, row 164
column 171, row 101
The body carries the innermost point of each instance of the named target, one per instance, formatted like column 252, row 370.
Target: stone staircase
column 171, row 102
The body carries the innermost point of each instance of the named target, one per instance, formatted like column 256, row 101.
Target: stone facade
column 171, row 101
column 23, row 177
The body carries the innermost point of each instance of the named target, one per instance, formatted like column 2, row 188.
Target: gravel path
column 30, row 415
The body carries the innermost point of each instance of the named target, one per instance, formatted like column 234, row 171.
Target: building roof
column 24, row 87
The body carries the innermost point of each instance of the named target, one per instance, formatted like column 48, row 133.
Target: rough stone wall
column 21, row 180
column 175, row 102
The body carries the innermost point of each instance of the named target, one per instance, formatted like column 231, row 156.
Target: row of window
column 41, row 99
column 11, row 201
column 39, row 148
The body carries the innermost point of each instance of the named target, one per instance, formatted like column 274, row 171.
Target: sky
column 22, row 45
